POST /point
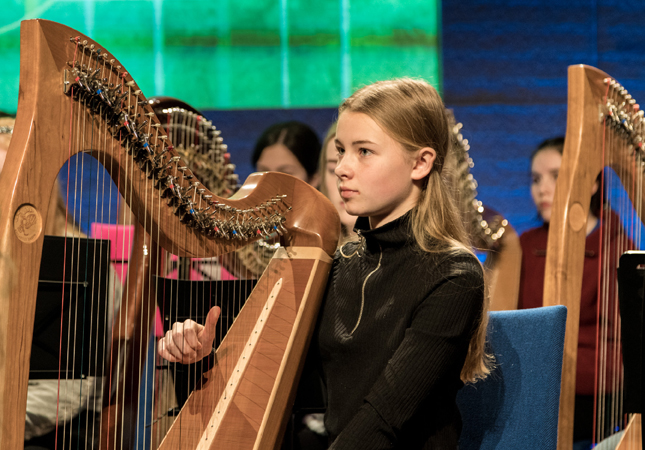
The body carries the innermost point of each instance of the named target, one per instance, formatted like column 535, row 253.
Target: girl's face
column 278, row 158
column 377, row 177
column 331, row 158
column 544, row 173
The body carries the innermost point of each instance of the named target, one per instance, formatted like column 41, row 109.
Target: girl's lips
column 347, row 193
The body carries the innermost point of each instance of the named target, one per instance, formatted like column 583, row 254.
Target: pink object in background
column 121, row 240
column 195, row 275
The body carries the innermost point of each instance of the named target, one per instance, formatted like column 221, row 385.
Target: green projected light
column 243, row 53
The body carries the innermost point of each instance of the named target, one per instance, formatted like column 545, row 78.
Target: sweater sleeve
column 427, row 362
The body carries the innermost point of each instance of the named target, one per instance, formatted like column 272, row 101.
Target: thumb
column 207, row 335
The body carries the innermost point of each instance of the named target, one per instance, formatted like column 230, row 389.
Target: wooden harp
column 489, row 231
column 74, row 97
column 604, row 129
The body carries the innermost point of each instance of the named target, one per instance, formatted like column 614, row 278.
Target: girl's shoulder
column 434, row 268
column 459, row 262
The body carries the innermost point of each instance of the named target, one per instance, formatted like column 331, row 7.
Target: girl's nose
column 342, row 168
column 547, row 187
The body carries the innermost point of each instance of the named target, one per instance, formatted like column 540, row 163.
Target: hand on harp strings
column 189, row 342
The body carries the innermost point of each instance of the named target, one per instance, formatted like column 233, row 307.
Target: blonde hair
column 413, row 114
column 322, row 162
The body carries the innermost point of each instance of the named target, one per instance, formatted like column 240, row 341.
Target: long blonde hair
column 413, row 114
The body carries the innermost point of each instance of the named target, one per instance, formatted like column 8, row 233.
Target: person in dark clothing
column 291, row 148
column 403, row 321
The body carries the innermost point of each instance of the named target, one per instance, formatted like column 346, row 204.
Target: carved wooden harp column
column 64, row 76
column 604, row 129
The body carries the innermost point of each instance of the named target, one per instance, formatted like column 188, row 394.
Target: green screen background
column 243, row 54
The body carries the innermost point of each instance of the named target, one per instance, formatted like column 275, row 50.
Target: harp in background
column 489, row 231
column 201, row 146
column 74, row 98
column 604, row 130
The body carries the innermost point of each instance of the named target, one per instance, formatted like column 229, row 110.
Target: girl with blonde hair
column 403, row 320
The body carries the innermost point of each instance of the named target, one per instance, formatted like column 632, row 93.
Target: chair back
column 517, row 405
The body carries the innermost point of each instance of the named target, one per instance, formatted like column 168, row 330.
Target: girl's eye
column 341, row 151
column 364, row 151
column 535, row 179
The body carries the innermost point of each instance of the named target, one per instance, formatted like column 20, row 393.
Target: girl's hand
column 188, row 342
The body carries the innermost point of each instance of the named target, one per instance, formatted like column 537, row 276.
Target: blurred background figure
column 545, row 166
column 6, row 130
column 328, row 178
column 291, row 148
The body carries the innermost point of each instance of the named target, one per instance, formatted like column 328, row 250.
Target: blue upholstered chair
column 516, row 407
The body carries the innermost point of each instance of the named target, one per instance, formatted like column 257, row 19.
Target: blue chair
column 516, row 407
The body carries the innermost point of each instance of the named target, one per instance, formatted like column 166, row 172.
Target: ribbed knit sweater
column 393, row 334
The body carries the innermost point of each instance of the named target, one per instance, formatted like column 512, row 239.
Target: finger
column 164, row 353
column 207, row 335
column 190, row 335
column 174, row 345
column 179, row 337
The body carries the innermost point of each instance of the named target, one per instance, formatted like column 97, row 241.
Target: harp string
column 97, row 337
column 158, row 382
column 60, row 345
column 110, row 309
column 604, row 392
column 151, row 304
column 152, row 307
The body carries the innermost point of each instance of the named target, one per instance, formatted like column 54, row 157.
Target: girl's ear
column 423, row 163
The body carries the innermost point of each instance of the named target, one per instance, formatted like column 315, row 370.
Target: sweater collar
column 393, row 234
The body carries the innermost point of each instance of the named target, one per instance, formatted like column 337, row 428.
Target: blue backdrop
column 505, row 75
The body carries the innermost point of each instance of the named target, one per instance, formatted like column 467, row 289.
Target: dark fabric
column 392, row 383
column 586, row 421
column 82, row 432
column 534, row 244
column 517, row 406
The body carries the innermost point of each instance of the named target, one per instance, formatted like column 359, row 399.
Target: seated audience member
column 328, row 184
column 545, row 165
column 291, row 148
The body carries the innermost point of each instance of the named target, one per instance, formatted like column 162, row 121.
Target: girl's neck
column 379, row 221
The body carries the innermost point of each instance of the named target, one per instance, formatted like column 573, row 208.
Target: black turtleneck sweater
column 393, row 334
